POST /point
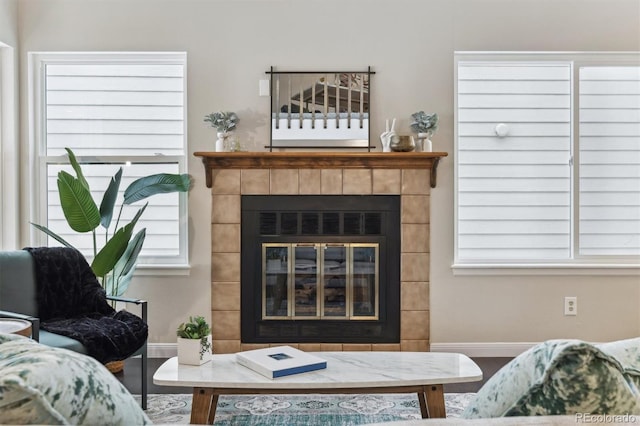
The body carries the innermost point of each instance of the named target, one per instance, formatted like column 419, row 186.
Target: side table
column 15, row 326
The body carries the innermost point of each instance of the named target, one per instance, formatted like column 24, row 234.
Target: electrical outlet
column 571, row 305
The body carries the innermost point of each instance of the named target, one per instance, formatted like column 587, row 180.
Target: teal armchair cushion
column 44, row 385
column 562, row 377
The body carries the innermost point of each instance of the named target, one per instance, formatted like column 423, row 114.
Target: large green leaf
column 78, row 207
column 109, row 199
column 76, row 167
column 52, row 234
column 156, row 184
column 119, row 280
column 108, row 256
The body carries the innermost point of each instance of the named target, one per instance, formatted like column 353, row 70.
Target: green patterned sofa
column 44, row 385
column 564, row 377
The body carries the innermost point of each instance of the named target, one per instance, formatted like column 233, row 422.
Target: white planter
column 192, row 352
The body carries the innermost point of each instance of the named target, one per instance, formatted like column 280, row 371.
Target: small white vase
column 220, row 142
column 194, row 351
column 425, row 142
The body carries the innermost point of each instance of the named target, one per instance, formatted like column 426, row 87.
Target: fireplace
column 329, row 268
column 231, row 176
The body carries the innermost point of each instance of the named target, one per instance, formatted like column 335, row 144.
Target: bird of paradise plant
column 115, row 262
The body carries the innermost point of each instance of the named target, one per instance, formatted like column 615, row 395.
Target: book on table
column 280, row 361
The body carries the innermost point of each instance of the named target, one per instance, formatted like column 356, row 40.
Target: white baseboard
column 488, row 349
column 479, row 350
column 162, row 350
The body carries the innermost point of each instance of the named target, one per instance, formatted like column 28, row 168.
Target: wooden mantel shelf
column 318, row 160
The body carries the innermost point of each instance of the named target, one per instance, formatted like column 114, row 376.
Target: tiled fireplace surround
column 230, row 179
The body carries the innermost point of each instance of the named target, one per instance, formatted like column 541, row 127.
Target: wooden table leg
column 423, row 404
column 435, row 401
column 201, row 405
column 212, row 410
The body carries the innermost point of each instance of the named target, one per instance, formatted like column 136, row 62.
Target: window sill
column 160, row 270
column 592, row 269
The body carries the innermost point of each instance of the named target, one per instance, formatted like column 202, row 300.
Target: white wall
column 410, row 45
column 8, row 122
column 9, row 22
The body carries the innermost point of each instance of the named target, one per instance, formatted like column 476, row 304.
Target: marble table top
column 344, row 370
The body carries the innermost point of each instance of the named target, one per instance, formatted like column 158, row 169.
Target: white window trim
column 579, row 265
column 37, row 197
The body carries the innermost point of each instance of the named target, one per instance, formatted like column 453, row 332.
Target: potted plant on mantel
column 194, row 341
column 225, row 123
column 425, row 125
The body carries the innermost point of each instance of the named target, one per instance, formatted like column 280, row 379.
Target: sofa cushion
column 45, row 385
column 564, row 377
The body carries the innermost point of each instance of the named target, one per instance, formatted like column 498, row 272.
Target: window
column 113, row 110
column 547, row 160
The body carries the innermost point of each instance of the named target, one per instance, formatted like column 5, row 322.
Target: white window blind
column 513, row 192
column 609, row 160
column 117, row 110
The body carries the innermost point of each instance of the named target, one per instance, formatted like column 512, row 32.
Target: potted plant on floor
column 114, row 263
column 194, row 341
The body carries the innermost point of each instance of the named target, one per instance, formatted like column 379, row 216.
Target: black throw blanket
column 72, row 303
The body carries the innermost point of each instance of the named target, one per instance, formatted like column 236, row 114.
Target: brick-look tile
column 364, row 347
column 414, row 325
column 254, row 181
column 414, row 296
column 284, row 181
column 309, row 347
column 225, row 209
column 225, row 296
column 226, row 181
column 414, row 345
column 253, row 346
column 385, row 347
column 225, row 238
column 225, row 267
column 414, row 209
column 413, row 184
column 416, row 182
column 415, row 238
column 225, row 325
column 387, row 181
column 309, row 181
column 226, row 346
column 356, row 181
column 331, row 181
column 414, row 267
column 275, row 345
column 331, row 347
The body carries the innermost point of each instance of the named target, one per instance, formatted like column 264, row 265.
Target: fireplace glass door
column 320, row 281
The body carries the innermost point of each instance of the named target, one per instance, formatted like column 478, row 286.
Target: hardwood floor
column 130, row 377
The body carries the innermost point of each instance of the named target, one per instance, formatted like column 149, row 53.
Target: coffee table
column 347, row 372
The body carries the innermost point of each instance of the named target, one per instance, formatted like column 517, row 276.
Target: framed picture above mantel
column 324, row 110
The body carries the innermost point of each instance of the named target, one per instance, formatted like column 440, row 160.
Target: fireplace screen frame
column 255, row 329
column 317, row 272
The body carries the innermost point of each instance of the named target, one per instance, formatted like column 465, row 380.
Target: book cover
column 280, row 361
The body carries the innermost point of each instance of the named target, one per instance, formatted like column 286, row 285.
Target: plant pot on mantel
column 194, row 351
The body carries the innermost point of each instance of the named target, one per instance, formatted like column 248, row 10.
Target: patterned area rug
column 294, row 410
